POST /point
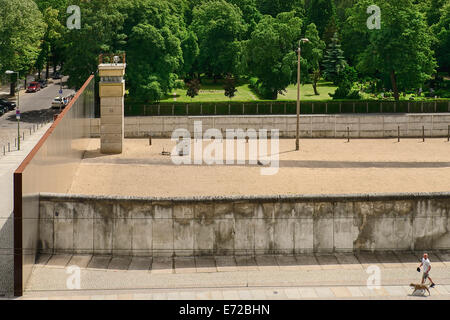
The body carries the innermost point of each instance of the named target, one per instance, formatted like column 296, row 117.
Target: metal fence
column 281, row 107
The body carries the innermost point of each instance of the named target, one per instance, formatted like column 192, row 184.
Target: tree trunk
column 315, row 88
column 275, row 95
column 47, row 67
column 394, row 85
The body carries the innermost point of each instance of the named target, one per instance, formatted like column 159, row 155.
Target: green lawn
column 215, row 93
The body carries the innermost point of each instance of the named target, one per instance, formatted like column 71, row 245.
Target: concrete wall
column 243, row 225
column 311, row 126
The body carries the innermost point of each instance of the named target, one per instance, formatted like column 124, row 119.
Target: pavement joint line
column 225, row 287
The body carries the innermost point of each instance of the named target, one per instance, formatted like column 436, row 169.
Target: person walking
column 426, row 264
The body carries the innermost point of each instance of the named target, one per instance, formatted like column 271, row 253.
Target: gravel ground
column 320, row 167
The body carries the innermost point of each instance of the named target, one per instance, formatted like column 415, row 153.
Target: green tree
column 193, row 87
column 313, row 52
column 189, row 46
column 250, row 14
column 275, row 7
column 51, row 44
column 219, row 27
column 345, row 81
column 323, row 14
column 442, row 32
column 21, row 29
column 101, row 24
column 229, row 86
column 154, row 31
column 333, row 62
column 270, row 54
column 401, row 49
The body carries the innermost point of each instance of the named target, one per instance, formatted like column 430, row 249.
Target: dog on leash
column 419, row 287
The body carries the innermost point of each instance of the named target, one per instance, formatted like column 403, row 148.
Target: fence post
column 173, row 109
column 229, row 109
column 423, row 133
column 353, row 107
column 348, row 134
column 271, row 108
column 312, row 108
column 381, row 107
column 421, row 107
column 395, row 107
column 257, row 109
column 326, row 107
column 408, row 106
column 340, row 107
column 285, row 108
column 187, row 109
column 398, row 133
column 367, row 107
column 448, row 134
column 243, row 112
column 215, row 109
column 201, row 108
column 9, row 147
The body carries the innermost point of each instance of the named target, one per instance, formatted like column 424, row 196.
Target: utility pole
column 297, row 135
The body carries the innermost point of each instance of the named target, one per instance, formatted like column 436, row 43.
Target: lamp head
column 9, row 72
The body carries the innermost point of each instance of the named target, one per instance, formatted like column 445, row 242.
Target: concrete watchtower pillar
column 112, row 91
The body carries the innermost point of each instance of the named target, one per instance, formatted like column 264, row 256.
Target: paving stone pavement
column 334, row 276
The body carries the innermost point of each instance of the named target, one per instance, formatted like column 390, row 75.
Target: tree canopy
column 401, row 50
column 21, row 30
column 270, row 52
column 219, row 27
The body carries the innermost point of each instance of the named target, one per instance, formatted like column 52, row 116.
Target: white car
column 58, row 102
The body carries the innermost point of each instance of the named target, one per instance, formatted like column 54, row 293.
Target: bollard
column 15, row 142
column 448, row 134
column 9, row 147
column 423, row 133
column 348, row 134
column 4, row 150
column 149, row 140
column 398, row 133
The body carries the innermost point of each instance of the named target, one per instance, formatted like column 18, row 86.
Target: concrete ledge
column 289, row 198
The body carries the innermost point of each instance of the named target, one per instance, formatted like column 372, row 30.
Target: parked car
column 58, row 102
column 34, row 87
column 7, row 105
column 43, row 83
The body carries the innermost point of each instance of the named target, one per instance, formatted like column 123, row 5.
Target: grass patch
column 210, row 92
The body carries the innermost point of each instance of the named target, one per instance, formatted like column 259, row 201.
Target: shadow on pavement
column 34, row 116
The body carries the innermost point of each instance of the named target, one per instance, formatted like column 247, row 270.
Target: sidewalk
column 8, row 164
column 332, row 276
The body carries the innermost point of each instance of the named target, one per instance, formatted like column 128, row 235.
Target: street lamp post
column 297, row 144
column 18, row 109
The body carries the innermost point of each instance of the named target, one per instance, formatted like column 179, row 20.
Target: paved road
column 34, row 108
column 338, row 276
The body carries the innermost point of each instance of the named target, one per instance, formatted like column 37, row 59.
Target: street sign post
column 18, row 128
